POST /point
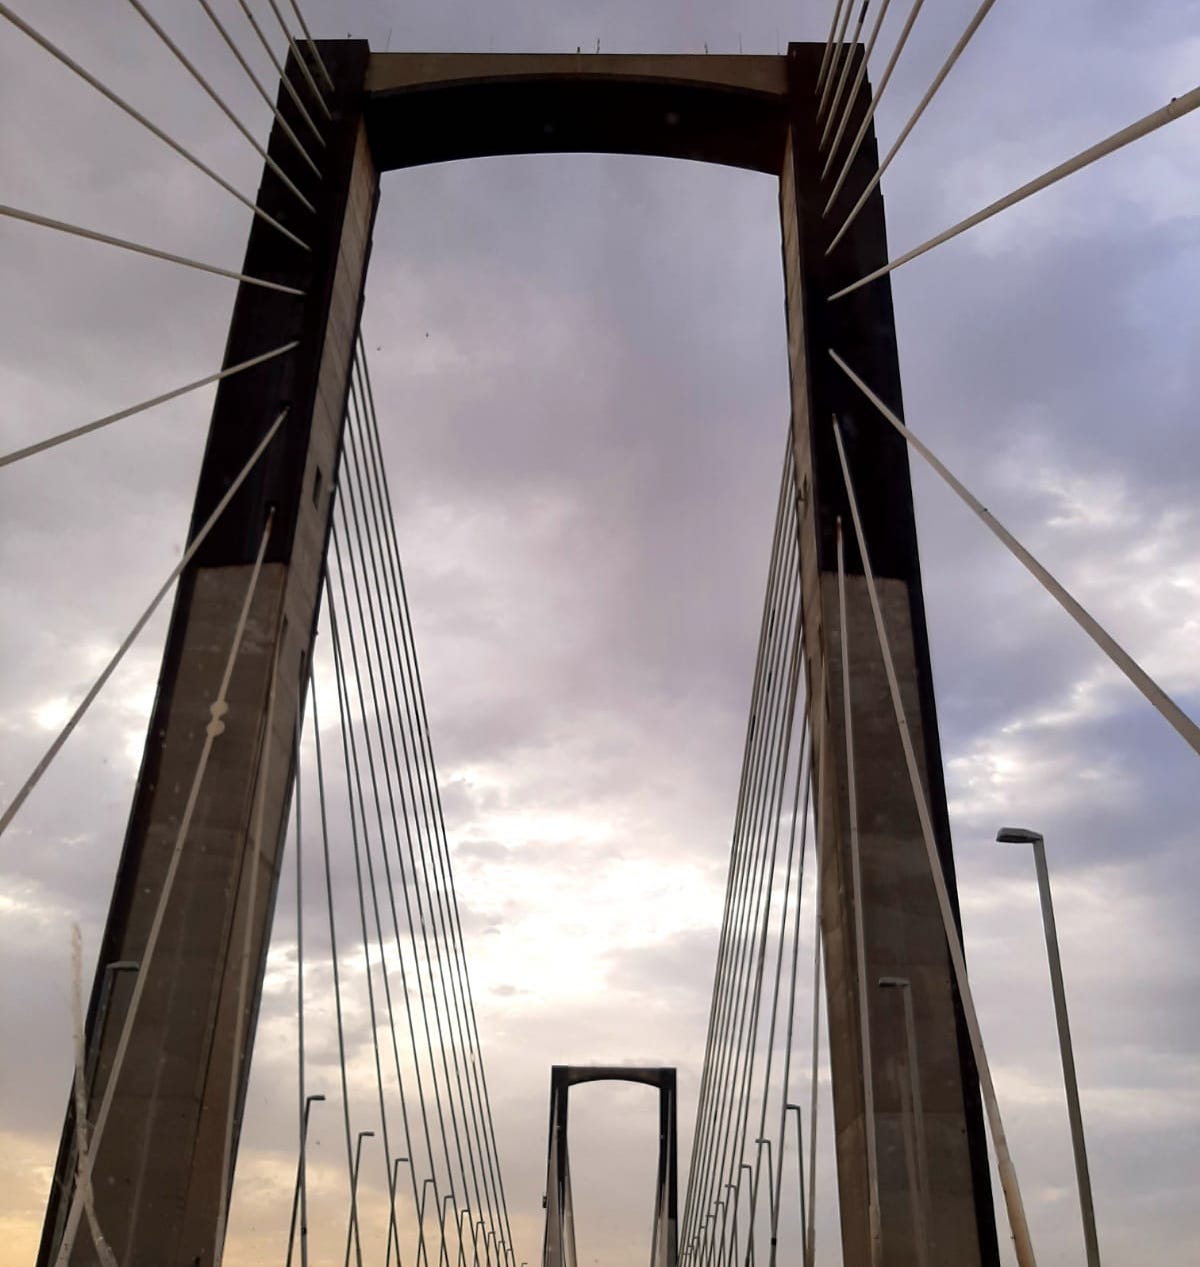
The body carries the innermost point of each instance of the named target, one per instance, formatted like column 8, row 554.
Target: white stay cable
column 221, row 103
column 308, row 77
column 860, row 135
column 77, row 231
column 285, row 126
column 215, row 728
column 253, row 864
column 852, row 96
column 1176, row 108
column 930, row 92
column 860, row 941
column 103, row 1249
column 829, row 45
column 1004, row 1164
column 845, row 72
column 799, row 816
column 312, row 43
column 1184, row 726
column 822, row 770
column 283, row 76
column 7, row 459
column 63, row 735
column 833, row 64
column 120, row 103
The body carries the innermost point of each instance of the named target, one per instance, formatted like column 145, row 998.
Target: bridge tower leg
column 665, row 1252
column 904, row 936
column 162, row 1173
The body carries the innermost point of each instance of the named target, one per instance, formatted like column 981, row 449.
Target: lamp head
column 1019, row 836
column 894, row 983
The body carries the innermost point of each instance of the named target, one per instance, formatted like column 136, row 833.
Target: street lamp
column 719, row 1258
column 1023, row 836
column 352, row 1229
column 736, row 1189
column 296, row 1195
column 913, row 1114
column 425, row 1185
column 732, row 1247
column 432, row 1182
column 766, row 1143
column 393, row 1230
column 753, row 1185
column 708, row 1221
column 475, row 1236
column 474, row 1229
column 795, row 1108
column 107, row 985
column 446, row 1201
column 465, row 1212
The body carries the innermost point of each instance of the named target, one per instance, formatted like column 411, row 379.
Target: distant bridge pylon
column 559, row 1249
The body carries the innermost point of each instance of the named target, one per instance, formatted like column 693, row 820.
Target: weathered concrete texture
column 437, row 107
column 904, row 937
column 409, row 70
column 161, row 1174
column 175, row 1083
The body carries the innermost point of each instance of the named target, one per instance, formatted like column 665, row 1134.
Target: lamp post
column 443, row 1256
column 425, row 1184
column 709, row 1219
column 1023, row 836
column 720, row 1257
column 352, row 1230
column 795, row 1108
column 476, row 1232
column 735, row 1200
column 914, row 1123
column 111, row 971
column 465, row 1212
column 393, row 1230
column 446, row 1202
column 308, row 1103
column 753, row 1183
column 766, row 1143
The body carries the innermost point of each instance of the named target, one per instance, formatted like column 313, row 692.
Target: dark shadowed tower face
column 165, row 1152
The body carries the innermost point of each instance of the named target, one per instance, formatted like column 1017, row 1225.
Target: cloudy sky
column 580, row 367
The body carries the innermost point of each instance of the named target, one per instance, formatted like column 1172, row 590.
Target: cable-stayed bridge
column 293, row 536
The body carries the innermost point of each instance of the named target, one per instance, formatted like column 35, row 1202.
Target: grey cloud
column 584, row 456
